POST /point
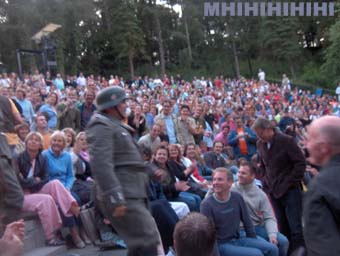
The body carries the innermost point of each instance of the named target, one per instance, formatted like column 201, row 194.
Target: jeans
column 246, row 246
column 166, row 220
column 282, row 240
column 192, row 200
column 288, row 211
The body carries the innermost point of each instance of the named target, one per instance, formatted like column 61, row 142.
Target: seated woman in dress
column 43, row 196
column 174, row 188
column 81, row 168
column 201, row 173
column 161, row 210
column 183, row 169
column 59, row 165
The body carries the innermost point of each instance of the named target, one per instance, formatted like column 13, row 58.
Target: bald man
column 322, row 201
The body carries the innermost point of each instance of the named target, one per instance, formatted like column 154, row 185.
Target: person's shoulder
column 191, row 119
column 208, row 200
column 159, row 116
column 324, row 187
column 232, row 132
column 282, row 137
column 259, row 144
column 43, row 106
column 235, row 186
column 209, row 153
column 19, row 156
column 248, row 129
column 259, row 192
column 235, row 195
column 66, row 154
column 171, row 163
column 144, row 138
column 41, row 156
column 328, row 177
column 45, row 152
column 75, row 109
column 98, row 119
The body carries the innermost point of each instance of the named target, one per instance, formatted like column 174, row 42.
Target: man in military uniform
column 120, row 174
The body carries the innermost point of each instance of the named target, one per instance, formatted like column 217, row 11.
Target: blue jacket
column 52, row 116
column 250, row 140
column 60, row 167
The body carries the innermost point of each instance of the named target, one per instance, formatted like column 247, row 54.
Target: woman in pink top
column 222, row 136
column 200, row 170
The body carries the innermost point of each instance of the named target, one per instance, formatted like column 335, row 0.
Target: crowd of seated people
column 43, row 195
column 184, row 134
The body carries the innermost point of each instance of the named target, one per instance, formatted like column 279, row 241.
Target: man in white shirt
column 262, row 76
column 151, row 140
column 81, row 80
column 337, row 91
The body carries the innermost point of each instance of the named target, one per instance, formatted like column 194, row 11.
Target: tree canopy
column 148, row 37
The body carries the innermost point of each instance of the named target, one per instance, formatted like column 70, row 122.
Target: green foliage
column 313, row 74
column 331, row 67
column 126, row 37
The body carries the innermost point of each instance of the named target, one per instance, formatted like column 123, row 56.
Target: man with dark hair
column 200, row 124
column 282, row 168
column 87, row 108
column 287, row 122
column 169, row 120
column 322, row 200
column 41, row 127
column 151, row 139
column 68, row 113
column 243, row 140
column 259, row 208
column 214, row 159
column 185, row 127
column 194, row 235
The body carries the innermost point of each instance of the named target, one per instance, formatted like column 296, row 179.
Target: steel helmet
column 110, row 97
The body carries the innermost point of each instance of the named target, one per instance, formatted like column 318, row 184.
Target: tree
column 280, row 40
column 331, row 67
column 131, row 39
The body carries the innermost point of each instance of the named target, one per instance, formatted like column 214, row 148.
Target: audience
column 211, row 119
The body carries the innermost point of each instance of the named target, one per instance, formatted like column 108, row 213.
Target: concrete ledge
column 34, row 235
column 47, row 251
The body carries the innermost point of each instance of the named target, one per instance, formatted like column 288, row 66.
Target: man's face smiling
column 221, row 184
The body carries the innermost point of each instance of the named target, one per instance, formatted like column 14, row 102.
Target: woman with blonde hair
column 41, row 195
column 70, row 136
column 59, row 165
column 176, row 185
column 81, row 168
